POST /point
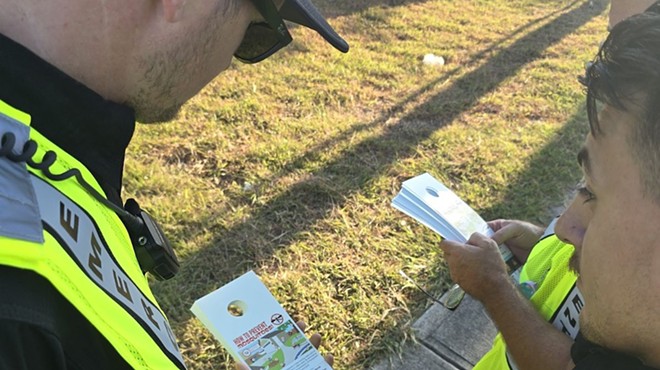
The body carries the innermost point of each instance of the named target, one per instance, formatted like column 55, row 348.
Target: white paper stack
column 432, row 204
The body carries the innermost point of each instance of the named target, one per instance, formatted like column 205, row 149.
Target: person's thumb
column 449, row 246
column 504, row 234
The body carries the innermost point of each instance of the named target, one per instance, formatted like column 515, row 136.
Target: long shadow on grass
column 540, row 192
column 335, row 8
column 280, row 221
column 350, row 6
column 287, row 218
column 323, row 145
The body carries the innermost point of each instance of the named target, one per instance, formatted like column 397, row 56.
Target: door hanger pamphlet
column 254, row 328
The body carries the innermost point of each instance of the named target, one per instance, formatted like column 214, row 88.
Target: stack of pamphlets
column 433, row 205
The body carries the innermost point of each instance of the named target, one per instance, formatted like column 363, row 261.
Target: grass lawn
column 288, row 167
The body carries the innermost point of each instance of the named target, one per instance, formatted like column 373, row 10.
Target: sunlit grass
column 288, row 167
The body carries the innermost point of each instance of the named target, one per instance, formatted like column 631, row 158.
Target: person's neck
column 84, row 124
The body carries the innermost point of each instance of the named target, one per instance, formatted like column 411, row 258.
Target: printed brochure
column 254, row 328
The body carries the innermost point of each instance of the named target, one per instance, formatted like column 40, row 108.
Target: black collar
column 93, row 130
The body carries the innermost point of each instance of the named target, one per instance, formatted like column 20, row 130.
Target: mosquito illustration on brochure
column 432, row 204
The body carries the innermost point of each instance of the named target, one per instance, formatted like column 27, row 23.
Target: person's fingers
column 504, row 234
column 449, row 246
column 479, row 240
column 238, row 366
column 330, row 359
column 497, row 224
column 315, row 340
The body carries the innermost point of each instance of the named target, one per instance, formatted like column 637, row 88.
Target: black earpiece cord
column 7, row 143
column 154, row 252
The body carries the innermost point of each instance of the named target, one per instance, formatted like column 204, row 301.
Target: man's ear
column 173, row 9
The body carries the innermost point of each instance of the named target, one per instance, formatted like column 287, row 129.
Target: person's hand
column 519, row 236
column 476, row 266
column 315, row 339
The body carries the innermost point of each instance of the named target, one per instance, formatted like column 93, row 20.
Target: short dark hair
column 625, row 74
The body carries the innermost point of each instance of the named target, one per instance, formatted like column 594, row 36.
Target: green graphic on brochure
column 276, row 349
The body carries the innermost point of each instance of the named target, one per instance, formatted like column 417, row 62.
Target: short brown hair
column 625, row 74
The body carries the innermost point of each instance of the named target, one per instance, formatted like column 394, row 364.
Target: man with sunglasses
column 75, row 76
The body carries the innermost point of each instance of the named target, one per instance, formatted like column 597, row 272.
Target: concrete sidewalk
column 446, row 339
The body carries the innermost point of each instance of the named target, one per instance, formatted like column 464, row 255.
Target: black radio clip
column 152, row 248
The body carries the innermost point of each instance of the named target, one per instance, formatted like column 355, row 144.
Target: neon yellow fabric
column 547, row 266
column 51, row 261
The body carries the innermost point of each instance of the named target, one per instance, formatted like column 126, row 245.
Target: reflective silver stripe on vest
column 81, row 237
column 19, row 213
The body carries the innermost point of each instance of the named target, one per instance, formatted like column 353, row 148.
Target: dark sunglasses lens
column 260, row 41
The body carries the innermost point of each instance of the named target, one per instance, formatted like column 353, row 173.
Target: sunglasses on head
column 263, row 39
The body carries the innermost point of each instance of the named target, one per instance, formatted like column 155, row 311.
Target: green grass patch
column 288, row 167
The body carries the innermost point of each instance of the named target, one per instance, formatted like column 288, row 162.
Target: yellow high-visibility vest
column 85, row 252
column 556, row 298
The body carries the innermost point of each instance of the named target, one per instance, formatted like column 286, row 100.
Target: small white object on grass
column 433, row 60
